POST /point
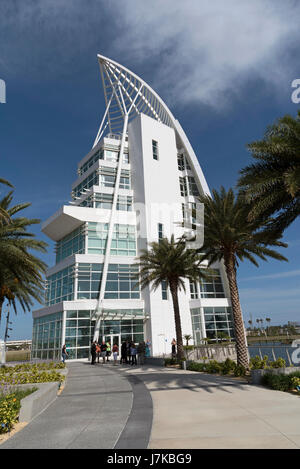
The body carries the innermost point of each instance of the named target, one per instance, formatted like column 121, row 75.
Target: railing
column 274, row 352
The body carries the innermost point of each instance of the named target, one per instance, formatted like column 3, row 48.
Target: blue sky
column 224, row 68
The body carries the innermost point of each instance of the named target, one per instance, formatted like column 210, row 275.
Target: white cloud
column 209, row 50
column 197, row 50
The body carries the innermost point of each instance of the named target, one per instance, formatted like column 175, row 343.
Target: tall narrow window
column 164, row 290
column 160, row 231
column 183, row 187
column 193, row 290
column 155, row 149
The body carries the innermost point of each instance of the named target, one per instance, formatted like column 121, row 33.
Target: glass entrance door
column 113, row 339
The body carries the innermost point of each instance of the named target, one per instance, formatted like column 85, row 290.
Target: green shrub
column 194, row 366
column 228, row 366
column 280, row 382
column 279, row 363
column 213, row 367
column 171, row 361
column 239, row 370
column 256, row 363
column 296, row 383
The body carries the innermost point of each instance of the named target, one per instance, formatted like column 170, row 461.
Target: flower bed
column 11, row 376
column 10, row 405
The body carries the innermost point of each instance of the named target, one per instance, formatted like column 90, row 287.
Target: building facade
column 138, row 184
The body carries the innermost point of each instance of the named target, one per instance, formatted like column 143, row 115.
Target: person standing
column 141, row 353
column 173, row 344
column 103, row 350
column 64, row 353
column 108, row 350
column 128, row 351
column 115, row 352
column 93, row 353
column 147, row 352
column 123, row 353
column 98, row 351
column 133, row 353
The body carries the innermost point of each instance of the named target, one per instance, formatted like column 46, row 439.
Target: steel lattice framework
column 126, row 96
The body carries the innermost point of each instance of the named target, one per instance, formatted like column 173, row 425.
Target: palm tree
column 21, row 273
column 230, row 237
column 170, row 262
column 187, row 338
column 3, row 213
column 272, row 183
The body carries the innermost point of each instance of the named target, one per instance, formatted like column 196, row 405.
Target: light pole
column 6, row 336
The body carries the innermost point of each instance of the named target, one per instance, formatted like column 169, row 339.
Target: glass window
column 164, row 290
column 183, row 187
column 155, row 149
column 160, row 229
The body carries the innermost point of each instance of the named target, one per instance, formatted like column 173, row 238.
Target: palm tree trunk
column 174, row 293
column 241, row 344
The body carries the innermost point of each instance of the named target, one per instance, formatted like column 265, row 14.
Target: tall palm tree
column 21, row 273
column 170, row 262
column 272, row 183
column 230, row 237
column 3, row 213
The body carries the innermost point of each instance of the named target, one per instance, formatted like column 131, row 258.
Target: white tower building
column 134, row 186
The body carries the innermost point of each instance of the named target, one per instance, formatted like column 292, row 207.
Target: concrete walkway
column 196, row 410
column 109, row 407
column 91, row 412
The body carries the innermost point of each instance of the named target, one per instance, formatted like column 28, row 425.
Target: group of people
column 130, row 352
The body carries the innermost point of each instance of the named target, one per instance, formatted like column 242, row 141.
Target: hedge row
column 281, row 382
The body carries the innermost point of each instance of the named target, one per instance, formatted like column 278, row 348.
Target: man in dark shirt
column 124, row 353
column 93, row 353
column 103, row 350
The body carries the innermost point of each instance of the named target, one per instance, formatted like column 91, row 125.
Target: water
column 280, row 350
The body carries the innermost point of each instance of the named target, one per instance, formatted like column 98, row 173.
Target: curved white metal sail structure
column 126, row 96
column 124, row 91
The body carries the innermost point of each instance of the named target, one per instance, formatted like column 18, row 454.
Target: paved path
column 91, row 412
column 196, row 410
column 112, row 407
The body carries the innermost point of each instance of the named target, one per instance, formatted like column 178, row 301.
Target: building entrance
column 113, row 339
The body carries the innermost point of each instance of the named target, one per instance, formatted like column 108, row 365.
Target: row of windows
column 60, row 286
column 79, row 334
column 217, row 322
column 121, row 281
column 105, row 201
column 71, row 244
column 102, row 178
column 188, row 186
column 47, row 334
column 101, row 154
column 209, row 287
column 91, row 180
column 123, row 239
column 182, row 163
